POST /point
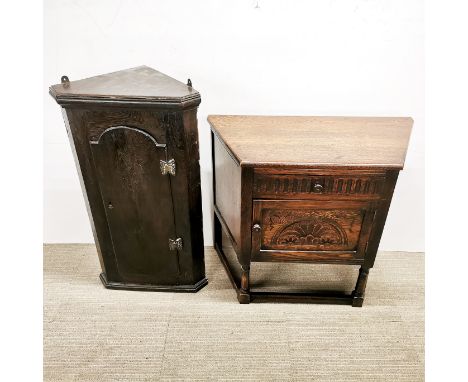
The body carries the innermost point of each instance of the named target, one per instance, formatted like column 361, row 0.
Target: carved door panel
column 305, row 230
column 137, row 199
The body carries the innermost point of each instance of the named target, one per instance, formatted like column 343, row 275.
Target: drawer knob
column 256, row 228
column 318, row 187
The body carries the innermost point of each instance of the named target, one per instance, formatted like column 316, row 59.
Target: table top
column 315, row 141
column 140, row 84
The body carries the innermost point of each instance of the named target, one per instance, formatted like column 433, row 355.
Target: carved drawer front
column 310, row 185
column 305, row 230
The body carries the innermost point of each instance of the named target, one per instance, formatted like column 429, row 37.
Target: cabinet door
column 138, row 202
column 311, row 231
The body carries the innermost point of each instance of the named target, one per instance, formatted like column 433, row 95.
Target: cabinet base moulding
column 153, row 288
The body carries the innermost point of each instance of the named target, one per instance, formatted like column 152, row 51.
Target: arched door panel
column 138, row 202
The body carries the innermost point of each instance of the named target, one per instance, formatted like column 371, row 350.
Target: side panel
column 381, row 218
column 227, row 190
column 75, row 122
column 182, row 146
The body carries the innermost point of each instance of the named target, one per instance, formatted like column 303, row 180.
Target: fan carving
column 311, row 232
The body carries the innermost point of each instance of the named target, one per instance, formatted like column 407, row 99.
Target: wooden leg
column 244, row 292
column 242, row 288
column 217, row 232
column 360, row 289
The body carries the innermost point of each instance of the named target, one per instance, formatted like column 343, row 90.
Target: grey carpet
column 95, row 334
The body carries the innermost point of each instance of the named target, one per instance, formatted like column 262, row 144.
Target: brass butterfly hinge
column 168, row 167
column 176, row 245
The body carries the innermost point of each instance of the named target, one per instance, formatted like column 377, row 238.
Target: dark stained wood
column 236, row 284
column 187, row 190
column 319, row 297
column 358, row 293
column 192, row 288
column 228, row 192
column 314, row 141
column 313, row 189
column 309, row 186
column 244, row 297
column 246, row 216
column 129, row 177
column 309, row 225
column 137, row 87
column 134, row 209
column 75, row 122
column 225, row 228
column 380, row 218
column 246, row 226
column 309, row 256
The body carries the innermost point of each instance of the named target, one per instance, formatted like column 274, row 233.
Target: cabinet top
column 140, row 85
column 314, row 141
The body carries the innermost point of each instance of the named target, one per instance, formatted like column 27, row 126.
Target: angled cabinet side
column 86, row 174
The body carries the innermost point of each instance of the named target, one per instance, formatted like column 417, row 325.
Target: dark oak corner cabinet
column 135, row 141
column 303, row 189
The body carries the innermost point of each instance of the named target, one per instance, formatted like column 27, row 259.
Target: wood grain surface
column 315, row 141
column 129, row 177
column 310, row 229
column 313, row 189
column 228, row 189
column 121, row 126
column 140, row 84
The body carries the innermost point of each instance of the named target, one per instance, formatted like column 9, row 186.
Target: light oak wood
column 315, row 141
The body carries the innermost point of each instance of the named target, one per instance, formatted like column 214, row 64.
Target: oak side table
column 134, row 137
column 304, row 189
